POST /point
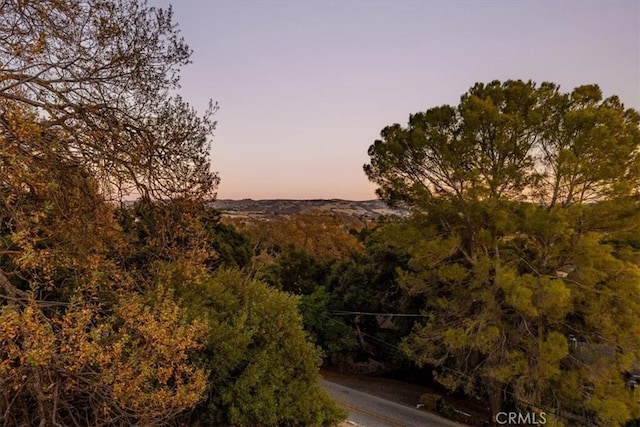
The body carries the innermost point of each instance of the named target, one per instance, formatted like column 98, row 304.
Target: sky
column 304, row 87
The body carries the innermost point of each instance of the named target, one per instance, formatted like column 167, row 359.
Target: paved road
column 371, row 411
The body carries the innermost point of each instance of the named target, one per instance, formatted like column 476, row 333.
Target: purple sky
column 305, row 87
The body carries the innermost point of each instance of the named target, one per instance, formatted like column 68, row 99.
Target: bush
column 263, row 371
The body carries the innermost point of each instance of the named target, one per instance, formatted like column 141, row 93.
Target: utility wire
column 364, row 313
column 568, row 417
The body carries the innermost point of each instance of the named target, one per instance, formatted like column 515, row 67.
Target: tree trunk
column 494, row 394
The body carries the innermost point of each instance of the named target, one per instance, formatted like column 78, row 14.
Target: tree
column 521, row 196
column 79, row 343
column 262, row 369
column 101, row 73
column 317, row 233
column 167, row 231
column 368, row 282
column 234, row 248
column 85, row 115
column 513, row 141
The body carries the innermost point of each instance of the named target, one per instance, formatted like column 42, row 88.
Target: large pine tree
column 524, row 243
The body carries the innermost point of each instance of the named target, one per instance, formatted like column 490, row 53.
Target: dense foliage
column 112, row 314
column 262, row 369
column 523, row 244
column 519, row 268
column 82, row 340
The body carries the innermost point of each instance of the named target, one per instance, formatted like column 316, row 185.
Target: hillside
column 367, row 209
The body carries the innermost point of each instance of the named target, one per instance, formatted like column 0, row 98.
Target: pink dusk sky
column 304, row 87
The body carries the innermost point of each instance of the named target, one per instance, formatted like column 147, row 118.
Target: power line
column 570, row 418
column 364, row 313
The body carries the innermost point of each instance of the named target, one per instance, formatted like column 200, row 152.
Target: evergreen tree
column 524, row 244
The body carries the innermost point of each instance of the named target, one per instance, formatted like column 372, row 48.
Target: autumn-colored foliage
column 317, row 233
column 91, row 331
column 80, row 341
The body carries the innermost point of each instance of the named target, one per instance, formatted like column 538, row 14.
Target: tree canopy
column 523, row 244
column 102, row 74
column 263, row 371
column 512, row 141
column 81, row 340
column 94, row 330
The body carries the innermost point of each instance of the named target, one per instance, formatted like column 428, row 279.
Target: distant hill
column 367, row 209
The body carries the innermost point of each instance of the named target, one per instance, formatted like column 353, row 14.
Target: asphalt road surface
column 371, row 411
